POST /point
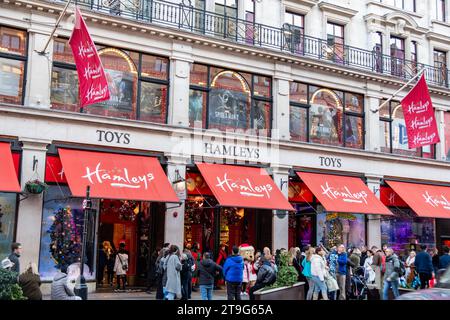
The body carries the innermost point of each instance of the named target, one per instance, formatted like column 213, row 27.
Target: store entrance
column 137, row 224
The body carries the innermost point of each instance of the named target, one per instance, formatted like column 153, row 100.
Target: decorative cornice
column 438, row 38
column 332, row 8
column 393, row 8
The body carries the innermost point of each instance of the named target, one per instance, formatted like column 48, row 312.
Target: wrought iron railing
column 288, row 38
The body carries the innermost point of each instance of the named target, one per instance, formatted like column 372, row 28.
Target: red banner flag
column 418, row 111
column 91, row 76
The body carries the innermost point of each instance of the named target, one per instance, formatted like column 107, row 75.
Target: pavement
column 140, row 294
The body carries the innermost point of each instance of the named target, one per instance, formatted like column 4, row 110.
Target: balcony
column 288, row 38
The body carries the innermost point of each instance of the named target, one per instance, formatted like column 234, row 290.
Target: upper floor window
column 440, row 10
column 440, row 66
column 13, row 52
column 230, row 100
column 127, row 72
column 393, row 136
column 325, row 116
column 335, row 42
column 409, row 5
column 414, row 57
column 293, row 31
column 397, row 56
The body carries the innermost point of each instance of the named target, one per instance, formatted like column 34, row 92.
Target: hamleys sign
column 344, row 193
column 436, row 200
column 245, row 187
column 116, row 176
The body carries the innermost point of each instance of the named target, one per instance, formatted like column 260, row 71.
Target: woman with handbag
column 318, row 270
column 121, row 266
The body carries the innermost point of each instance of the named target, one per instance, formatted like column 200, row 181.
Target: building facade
column 288, row 86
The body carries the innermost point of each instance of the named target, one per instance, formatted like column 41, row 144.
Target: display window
column 8, row 204
column 13, row 52
column 128, row 73
column 228, row 100
column 341, row 228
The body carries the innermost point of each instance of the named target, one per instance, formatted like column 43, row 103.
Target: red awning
column 8, row 175
column 243, row 187
column 116, row 176
column 343, row 194
column 426, row 200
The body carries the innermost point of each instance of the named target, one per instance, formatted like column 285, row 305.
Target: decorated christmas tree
column 65, row 235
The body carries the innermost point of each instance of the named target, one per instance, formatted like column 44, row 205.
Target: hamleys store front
column 129, row 192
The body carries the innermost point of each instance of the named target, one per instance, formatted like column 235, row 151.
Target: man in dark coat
column 16, row 250
column 207, row 270
column 266, row 277
column 424, row 267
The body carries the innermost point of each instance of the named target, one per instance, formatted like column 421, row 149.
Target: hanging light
column 179, row 185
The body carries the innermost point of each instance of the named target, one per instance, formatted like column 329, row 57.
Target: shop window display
column 229, row 100
column 61, row 233
column 127, row 73
column 7, row 222
column 404, row 229
column 341, row 228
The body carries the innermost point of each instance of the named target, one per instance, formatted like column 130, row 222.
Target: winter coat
column 392, row 268
column 423, row 263
column 342, row 263
column 207, row 271
column 368, row 269
column 60, row 290
column 356, row 260
column 30, row 284
column 172, row 266
column 444, row 261
column 15, row 259
column 121, row 260
column 377, row 260
column 333, row 263
column 233, row 269
column 266, row 274
column 306, row 268
column 318, row 265
column 363, row 259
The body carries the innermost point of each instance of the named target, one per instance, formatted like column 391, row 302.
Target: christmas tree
column 65, row 236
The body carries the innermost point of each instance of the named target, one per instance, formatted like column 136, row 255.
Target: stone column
column 280, row 220
column 30, row 209
column 39, row 68
column 372, row 123
column 174, row 218
column 440, row 147
column 280, row 122
column 178, row 113
column 374, row 220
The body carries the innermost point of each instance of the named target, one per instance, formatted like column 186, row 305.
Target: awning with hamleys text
column 8, row 176
column 116, row 176
column 243, row 187
column 426, row 200
column 343, row 194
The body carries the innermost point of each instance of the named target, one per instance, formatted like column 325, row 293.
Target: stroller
column 358, row 284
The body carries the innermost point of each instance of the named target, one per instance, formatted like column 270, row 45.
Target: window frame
column 253, row 98
column 441, row 7
column 345, row 113
column 18, row 57
column 140, row 80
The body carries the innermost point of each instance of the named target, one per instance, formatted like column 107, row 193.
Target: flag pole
column 42, row 52
column 396, row 92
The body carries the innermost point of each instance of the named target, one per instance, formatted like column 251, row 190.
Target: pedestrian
column 172, row 266
column 391, row 275
column 424, row 267
column 16, row 251
column 196, row 254
column 233, row 274
column 369, row 273
column 185, row 278
column 318, row 272
column 266, row 277
column 409, row 264
column 435, row 259
column 355, row 258
column 160, row 273
column 444, row 260
column 306, row 264
column 332, row 260
column 377, row 268
column 30, row 282
column 192, row 264
column 222, row 256
column 121, row 266
column 207, row 271
column 59, row 289
column 294, row 255
column 341, row 273
column 151, row 270
column 363, row 250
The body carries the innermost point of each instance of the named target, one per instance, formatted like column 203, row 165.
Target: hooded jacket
column 60, row 290
column 172, row 266
column 30, row 283
column 342, row 263
column 207, row 271
column 233, row 269
column 318, row 265
column 266, row 274
column 392, row 268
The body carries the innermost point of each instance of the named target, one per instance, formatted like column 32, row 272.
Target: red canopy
column 426, row 200
column 116, row 176
column 8, row 176
column 343, row 194
column 243, row 187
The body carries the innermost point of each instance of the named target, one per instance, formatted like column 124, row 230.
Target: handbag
column 331, row 282
column 124, row 266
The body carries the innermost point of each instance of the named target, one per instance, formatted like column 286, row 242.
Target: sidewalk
column 140, row 294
